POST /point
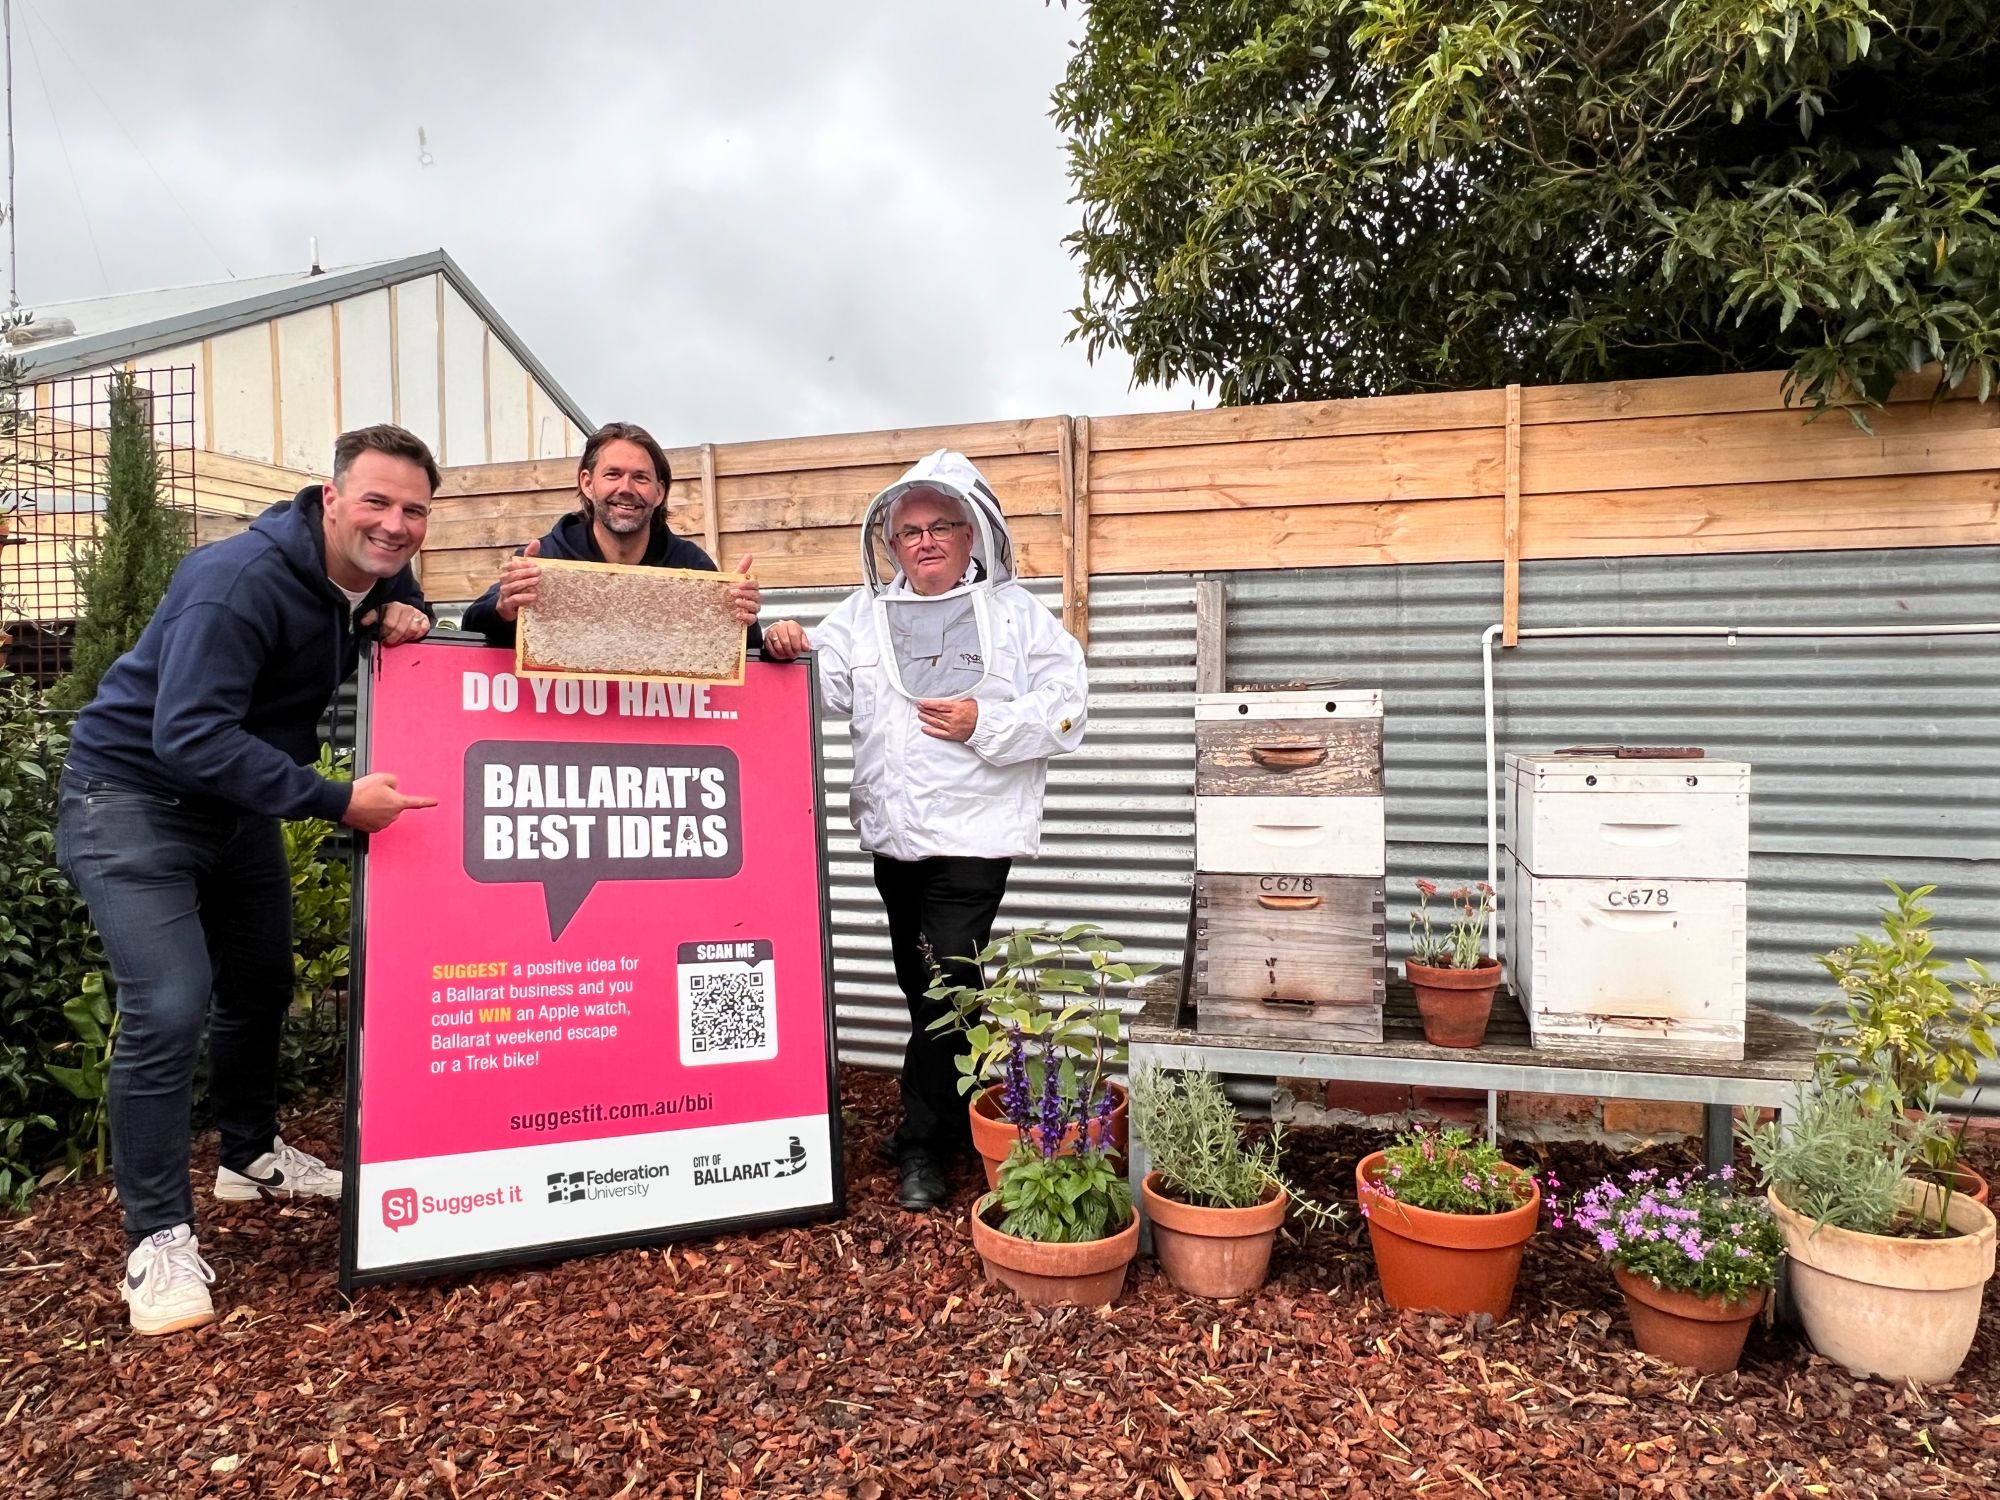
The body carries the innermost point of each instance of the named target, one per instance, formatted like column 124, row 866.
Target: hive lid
column 1290, row 703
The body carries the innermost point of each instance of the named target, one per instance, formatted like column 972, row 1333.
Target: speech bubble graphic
column 399, row 1208
column 567, row 816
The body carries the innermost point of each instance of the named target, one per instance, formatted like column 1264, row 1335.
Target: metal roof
column 130, row 325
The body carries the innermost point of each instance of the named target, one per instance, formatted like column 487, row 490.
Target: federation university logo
column 591, row 1186
column 566, row 1187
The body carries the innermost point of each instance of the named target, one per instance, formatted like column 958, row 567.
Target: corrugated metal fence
column 1871, row 760
column 1118, row 839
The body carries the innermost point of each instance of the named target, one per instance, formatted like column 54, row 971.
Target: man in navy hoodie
column 200, row 740
column 621, row 517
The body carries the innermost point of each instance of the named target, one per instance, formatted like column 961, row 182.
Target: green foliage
column 313, row 1048
column 1840, row 1155
column 1901, row 1027
column 1295, row 199
column 1063, row 1199
column 1449, row 1172
column 86, row 1071
column 123, row 574
column 1196, row 1142
column 49, row 953
column 1051, row 988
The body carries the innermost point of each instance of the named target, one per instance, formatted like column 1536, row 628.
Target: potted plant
column 1054, row 988
column 1453, row 980
column 1214, row 1199
column 1904, row 1026
column 1059, row 1229
column 1695, row 1260
column 1447, row 1220
column 1887, row 1270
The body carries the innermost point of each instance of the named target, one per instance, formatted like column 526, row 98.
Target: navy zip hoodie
column 571, row 539
column 220, row 699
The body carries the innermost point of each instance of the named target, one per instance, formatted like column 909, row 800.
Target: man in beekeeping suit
column 960, row 686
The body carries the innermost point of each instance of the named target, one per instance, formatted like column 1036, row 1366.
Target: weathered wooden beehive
column 1289, row 860
column 1625, row 917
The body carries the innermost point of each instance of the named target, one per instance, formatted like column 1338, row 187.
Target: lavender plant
column 1689, row 1233
column 1195, row 1139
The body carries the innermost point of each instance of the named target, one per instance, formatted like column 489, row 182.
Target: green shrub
column 49, row 953
column 1902, row 1026
column 1195, row 1140
column 313, row 1049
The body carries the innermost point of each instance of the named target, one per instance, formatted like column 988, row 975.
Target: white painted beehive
column 1626, row 915
column 1572, row 815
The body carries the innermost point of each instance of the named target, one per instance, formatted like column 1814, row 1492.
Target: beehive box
column 611, row 620
column 1290, row 853
column 1626, row 916
column 1289, row 782
column 1289, row 955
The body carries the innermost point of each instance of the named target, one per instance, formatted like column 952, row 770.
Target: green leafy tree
column 123, row 574
column 1297, row 199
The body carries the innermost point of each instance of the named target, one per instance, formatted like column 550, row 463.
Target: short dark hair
column 383, row 437
column 626, row 432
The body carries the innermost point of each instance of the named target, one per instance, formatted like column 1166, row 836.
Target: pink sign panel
column 591, row 984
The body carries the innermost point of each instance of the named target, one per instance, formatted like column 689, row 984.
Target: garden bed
column 867, row 1359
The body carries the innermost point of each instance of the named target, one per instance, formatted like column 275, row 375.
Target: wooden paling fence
column 1630, row 468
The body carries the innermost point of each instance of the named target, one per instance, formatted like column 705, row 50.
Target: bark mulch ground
column 867, row 1359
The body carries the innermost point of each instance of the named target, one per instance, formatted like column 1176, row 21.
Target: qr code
column 727, row 1014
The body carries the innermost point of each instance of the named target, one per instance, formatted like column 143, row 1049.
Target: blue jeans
column 193, row 901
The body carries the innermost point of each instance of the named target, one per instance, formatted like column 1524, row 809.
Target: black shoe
column 923, row 1186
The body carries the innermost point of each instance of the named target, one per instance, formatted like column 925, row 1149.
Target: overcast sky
column 759, row 218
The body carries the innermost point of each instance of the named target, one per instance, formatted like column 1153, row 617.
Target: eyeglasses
column 937, row 531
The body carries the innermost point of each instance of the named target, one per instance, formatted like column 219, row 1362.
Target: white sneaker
column 282, row 1172
column 166, row 1283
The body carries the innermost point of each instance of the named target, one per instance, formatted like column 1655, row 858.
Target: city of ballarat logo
column 618, row 1182
column 712, row 1171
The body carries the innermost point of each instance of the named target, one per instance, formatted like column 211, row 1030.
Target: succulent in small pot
column 1454, row 982
column 1695, row 1260
column 1447, row 1219
column 1215, row 1199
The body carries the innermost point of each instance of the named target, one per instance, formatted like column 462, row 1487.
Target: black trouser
column 195, row 909
column 940, row 909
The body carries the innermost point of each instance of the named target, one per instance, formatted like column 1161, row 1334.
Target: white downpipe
column 1730, row 631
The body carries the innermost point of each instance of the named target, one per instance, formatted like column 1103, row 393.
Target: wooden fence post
column 1510, row 555
column 1076, row 528
column 711, row 509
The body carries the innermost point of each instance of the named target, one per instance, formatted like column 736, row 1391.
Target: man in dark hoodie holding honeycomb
column 200, row 740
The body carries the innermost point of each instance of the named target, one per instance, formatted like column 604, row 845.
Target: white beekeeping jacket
column 885, row 646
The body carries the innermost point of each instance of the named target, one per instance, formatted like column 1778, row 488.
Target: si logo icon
column 399, row 1208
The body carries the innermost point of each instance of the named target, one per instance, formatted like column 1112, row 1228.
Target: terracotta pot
column 1970, row 1183
column 1898, row 1308
column 1448, row 1263
column 1703, row 1334
column 1455, row 1003
column 1089, row 1274
column 993, row 1134
column 1213, row 1252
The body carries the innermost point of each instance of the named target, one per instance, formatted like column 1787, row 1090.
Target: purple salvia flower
column 1014, row 1099
column 1105, row 1105
column 1054, row 1122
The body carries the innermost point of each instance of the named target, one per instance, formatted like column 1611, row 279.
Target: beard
column 621, row 522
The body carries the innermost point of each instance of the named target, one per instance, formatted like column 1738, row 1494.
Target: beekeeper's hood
column 937, row 645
